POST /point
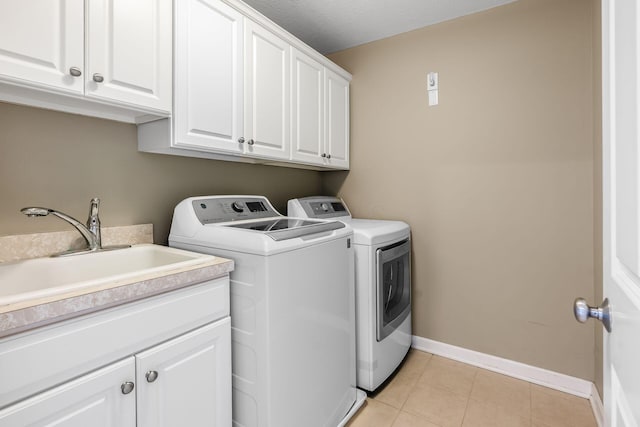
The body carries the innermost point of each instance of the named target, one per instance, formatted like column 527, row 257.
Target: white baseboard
column 596, row 405
column 532, row 374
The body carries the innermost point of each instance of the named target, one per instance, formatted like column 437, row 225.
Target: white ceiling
column 332, row 25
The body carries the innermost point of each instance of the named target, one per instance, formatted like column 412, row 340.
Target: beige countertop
column 25, row 315
column 21, row 316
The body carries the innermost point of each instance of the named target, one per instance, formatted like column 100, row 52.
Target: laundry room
column 498, row 175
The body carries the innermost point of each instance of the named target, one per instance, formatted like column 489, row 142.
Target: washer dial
column 237, row 206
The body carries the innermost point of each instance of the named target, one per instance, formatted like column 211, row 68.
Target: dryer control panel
column 318, row 207
column 232, row 208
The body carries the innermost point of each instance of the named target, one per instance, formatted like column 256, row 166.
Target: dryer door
column 393, row 284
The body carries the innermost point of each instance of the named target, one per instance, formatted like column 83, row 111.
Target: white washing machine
column 292, row 313
column 383, row 286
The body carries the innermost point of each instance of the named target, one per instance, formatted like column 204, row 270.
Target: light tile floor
column 432, row 391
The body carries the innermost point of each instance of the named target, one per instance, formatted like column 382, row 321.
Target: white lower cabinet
column 94, row 399
column 184, row 380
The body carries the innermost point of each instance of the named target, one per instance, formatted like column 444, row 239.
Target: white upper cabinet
column 320, row 114
column 337, row 120
column 129, row 52
column 307, row 113
column 248, row 91
column 266, row 93
column 42, row 43
column 62, row 54
column 209, row 76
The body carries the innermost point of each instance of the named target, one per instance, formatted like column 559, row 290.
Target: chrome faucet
column 93, row 223
column 91, row 232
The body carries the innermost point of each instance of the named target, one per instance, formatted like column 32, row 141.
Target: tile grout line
column 530, row 405
column 466, row 408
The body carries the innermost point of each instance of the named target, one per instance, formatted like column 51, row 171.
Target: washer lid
column 287, row 228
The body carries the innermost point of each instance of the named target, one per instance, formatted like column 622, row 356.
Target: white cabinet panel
column 337, row 120
column 320, row 113
column 41, row 40
column 81, row 345
column 191, row 354
column 209, row 76
column 104, row 58
column 307, row 109
column 247, row 91
column 190, row 386
column 267, row 93
column 187, row 381
column 129, row 48
column 95, row 399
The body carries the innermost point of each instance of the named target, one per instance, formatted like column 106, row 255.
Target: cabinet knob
column 251, row 142
column 75, row 71
column 328, row 156
column 241, row 140
column 127, row 387
column 324, row 154
column 98, row 78
column 151, row 376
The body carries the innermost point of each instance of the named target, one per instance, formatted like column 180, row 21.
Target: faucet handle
column 93, row 223
column 95, row 206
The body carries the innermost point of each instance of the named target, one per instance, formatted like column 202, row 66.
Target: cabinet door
column 307, row 109
column 95, row 399
column 209, row 76
column 187, row 381
column 129, row 54
column 267, row 93
column 40, row 41
column 337, row 120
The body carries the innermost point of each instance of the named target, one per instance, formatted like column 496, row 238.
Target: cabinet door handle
column 251, row 142
column 75, row 71
column 328, row 156
column 127, row 387
column 324, row 154
column 151, row 376
column 241, row 140
column 98, row 78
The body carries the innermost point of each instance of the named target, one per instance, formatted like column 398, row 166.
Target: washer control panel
column 318, row 207
column 232, row 208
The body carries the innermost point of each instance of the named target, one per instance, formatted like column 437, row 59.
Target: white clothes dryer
column 383, row 286
column 292, row 309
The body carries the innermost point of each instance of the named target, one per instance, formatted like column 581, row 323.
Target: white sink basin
column 44, row 277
